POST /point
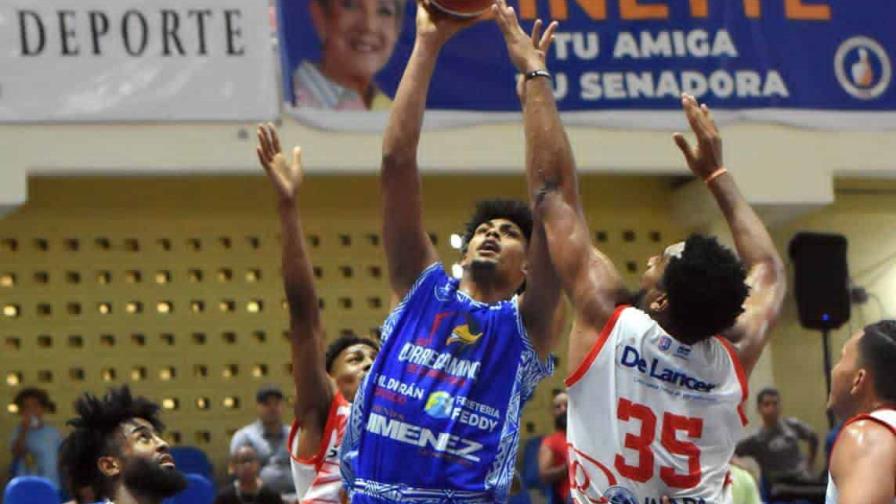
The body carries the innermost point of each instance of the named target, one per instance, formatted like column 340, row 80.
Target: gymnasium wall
column 865, row 212
column 171, row 284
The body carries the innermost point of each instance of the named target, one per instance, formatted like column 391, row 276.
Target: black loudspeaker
column 821, row 281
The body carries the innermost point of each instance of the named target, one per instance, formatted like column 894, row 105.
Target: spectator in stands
column 267, row 436
column 35, row 445
column 116, row 450
column 357, row 40
column 247, row 487
column 552, row 456
column 776, row 445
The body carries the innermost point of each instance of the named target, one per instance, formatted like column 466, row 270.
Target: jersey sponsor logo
column 439, row 361
column 632, row 359
column 683, row 352
column 441, row 404
column 441, row 442
column 443, row 292
column 466, row 334
column 620, row 495
column 405, row 389
column 665, row 343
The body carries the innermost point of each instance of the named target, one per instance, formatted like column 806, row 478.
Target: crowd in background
column 770, row 462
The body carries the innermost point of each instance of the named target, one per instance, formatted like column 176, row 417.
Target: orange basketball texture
column 463, row 8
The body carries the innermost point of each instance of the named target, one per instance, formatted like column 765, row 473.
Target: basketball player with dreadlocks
column 115, row 449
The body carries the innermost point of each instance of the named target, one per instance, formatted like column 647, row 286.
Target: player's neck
column 125, row 496
column 666, row 323
column 485, row 288
column 874, row 403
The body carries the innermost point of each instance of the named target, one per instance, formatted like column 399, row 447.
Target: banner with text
column 136, row 60
column 616, row 63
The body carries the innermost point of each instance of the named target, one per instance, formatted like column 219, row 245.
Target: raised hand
column 285, row 177
column 527, row 52
column 706, row 159
column 434, row 26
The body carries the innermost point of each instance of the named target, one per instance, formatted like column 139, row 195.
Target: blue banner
column 618, row 63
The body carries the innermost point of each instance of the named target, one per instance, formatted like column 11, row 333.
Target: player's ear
column 109, row 466
column 859, row 381
column 660, row 304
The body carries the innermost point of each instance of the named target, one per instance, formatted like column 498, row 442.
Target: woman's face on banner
column 359, row 35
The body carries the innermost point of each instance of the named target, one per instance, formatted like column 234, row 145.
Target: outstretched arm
column 588, row 277
column 765, row 269
column 314, row 389
column 408, row 247
column 544, row 146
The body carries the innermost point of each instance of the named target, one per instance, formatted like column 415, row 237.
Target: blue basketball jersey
column 437, row 418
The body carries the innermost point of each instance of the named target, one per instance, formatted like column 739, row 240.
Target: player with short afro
column 115, row 448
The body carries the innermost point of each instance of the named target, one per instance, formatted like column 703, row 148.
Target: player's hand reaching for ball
column 437, row 27
column 286, row 177
column 527, row 51
column 706, row 158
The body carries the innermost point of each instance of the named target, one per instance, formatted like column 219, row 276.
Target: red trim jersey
column 317, row 478
column 885, row 417
column 649, row 416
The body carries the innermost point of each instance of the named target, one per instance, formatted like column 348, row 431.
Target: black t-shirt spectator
column 777, row 450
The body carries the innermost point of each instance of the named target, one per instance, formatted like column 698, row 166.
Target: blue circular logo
column 862, row 67
column 620, row 495
column 439, row 405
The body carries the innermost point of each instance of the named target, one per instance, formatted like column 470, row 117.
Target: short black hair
column 265, row 392
column 343, row 342
column 33, row 393
column 93, row 433
column 706, row 288
column 877, row 349
column 515, row 211
column 767, row 391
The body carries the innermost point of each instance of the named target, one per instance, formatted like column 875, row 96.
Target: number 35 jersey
column 650, row 416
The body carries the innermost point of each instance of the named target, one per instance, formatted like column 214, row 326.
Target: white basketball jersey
column 649, row 416
column 317, row 479
column 885, row 417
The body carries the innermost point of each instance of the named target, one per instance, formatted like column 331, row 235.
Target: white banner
column 136, row 60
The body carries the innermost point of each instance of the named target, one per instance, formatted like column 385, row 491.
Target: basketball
column 463, row 8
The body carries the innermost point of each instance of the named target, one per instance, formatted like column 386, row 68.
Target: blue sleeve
column 432, row 275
